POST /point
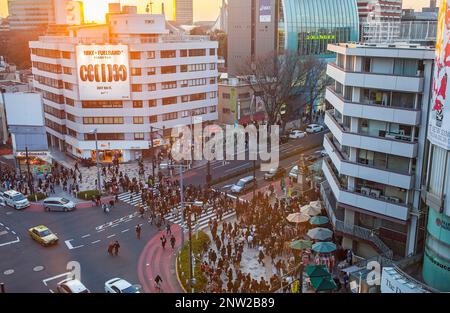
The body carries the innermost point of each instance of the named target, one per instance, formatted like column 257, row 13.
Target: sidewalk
column 155, row 260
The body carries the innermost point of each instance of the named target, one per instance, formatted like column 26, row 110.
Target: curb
column 177, row 273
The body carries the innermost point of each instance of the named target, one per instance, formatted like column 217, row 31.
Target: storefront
column 108, row 156
column 40, row 162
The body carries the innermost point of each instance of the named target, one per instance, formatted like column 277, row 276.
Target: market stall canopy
column 316, row 204
column 323, row 283
column 298, row 218
column 301, row 244
column 317, row 271
column 310, row 210
column 319, row 220
column 320, row 233
column 324, row 247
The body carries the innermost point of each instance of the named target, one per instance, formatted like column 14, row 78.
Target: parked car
column 275, row 173
column 296, row 134
column 71, row 286
column 243, row 185
column 43, row 235
column 15, row 199
column 58, row 204
column 314, row 128
column 119, row 285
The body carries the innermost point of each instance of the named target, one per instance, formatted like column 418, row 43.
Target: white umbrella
column 298, row 217
column 310, row 210
column 316, row 204
column 320, row 233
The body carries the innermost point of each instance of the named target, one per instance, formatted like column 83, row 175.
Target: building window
column 68, row 86
column 67, row 70
column 100, row 136
column 151, row 71
column 185, row 114
column 183, row 53
column 184, row 83
column 212, row 51
column 168, row 69
column 184, row 98
column 138, row 120
column 197, row 52
column 151, row 87
column 225, row 95
column 135, row 55
column 212, row 109
column 103, row 120
column 150, row 54
column 183, row 68
column 136, row 72
column 244, row 95
column 171, row 100
column 136, row 88
column 70, row 102
column 212, row 81
column 169, row 85
column 153, row 119
column 212, row 66
column 213, row 94
column 199, row 111
column 152, row 103
column 170, row 116
column 197, row 97
column 226, row 111
column 66, row 55
column 168, row 54
column 101, row 104
column 71, row 118
column 138, row 104
column 138, row 136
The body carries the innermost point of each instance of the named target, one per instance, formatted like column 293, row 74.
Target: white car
column 296, row 134
column 58, row 204
column 119, row 285
column 15, row 199
column 314, row 128
column 71, row 286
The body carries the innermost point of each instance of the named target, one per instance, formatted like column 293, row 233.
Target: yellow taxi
column 43, row 235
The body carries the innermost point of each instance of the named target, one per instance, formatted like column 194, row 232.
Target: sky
column 204, row 10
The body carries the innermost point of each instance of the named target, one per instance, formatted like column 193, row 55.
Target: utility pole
column 95, row 131
column 191, row 271
column 208, row 175
column 153, row 153
column 182, row 203
column 254, row 181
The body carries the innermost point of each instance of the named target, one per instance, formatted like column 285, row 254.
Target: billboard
column 439, row 124
column 103, row 72
column 19, row 102
column 265, row 11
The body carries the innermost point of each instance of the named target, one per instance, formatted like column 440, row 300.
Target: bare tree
column 283, row 80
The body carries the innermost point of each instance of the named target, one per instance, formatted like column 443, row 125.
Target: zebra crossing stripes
column 174, row 216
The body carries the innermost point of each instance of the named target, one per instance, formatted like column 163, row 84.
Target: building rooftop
column 10, row 83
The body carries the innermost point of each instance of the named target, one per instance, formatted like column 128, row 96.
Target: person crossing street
column 172, row 241
column 138, row 231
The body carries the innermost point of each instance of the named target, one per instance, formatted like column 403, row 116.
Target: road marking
column 235, row 168
column 51, row 291
column 123, row 219
column 69, row 245
column 85, row 236
column 125, row 230
column 38, row 268
column 7, row 228
column 115, row 225
column 94, row 242
column 8, row 272
column 55, row 277
column 2, row 224
column 110, row 236
column 9, row 213
column 3, row 232
column 11, row 242
column 99, row 231
column 13, row 232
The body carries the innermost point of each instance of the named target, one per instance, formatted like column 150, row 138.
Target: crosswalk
column 174, row 216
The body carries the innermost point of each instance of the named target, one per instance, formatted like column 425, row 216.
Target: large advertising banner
column 103, row 72
column 439, row 124
column 265, row 11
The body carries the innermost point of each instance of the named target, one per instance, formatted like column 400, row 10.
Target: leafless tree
column 282, row 80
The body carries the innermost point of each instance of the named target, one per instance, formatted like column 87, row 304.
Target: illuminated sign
column 439, row 124
column 265, row 11
column 321, row 37
column 103, row 72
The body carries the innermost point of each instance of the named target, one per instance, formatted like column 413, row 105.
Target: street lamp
column 191, row 269
column 95, row 131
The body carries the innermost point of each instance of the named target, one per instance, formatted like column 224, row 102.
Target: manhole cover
column 38, row 268
column 8, row 272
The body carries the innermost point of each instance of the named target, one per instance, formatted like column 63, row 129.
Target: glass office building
column 308, row 26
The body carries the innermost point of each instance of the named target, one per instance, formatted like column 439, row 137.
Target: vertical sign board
column 103, row 72
column 439, row 124
column 265, row 11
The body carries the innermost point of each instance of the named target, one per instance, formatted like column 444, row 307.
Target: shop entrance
column 108, row 156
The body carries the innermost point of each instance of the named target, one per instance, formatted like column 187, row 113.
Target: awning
column 351, row 269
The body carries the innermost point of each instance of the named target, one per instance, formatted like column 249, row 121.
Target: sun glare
column 95, row 10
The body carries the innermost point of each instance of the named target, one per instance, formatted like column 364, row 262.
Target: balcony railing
column 353, row 230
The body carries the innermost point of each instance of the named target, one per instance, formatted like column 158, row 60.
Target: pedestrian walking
column 138, row 231
column 116, row 247
column 172, row 242
column 163, row 241
column 168, row 230
column 110, row 248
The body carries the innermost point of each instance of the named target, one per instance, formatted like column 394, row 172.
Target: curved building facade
column 308, row 26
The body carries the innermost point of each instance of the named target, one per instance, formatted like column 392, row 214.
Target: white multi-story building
column 121, row 79
column 26, row 14
column 377, row 146
column 183, row 11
